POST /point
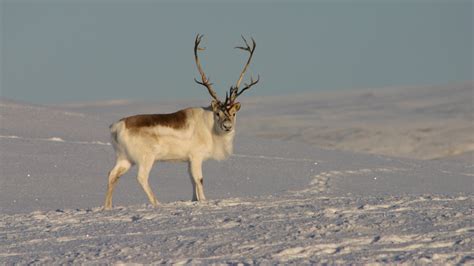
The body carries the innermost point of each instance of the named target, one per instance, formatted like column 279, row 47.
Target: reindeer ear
column 215, row 105
column 235, row 107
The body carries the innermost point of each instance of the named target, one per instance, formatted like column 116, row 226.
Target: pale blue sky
column 59, row 51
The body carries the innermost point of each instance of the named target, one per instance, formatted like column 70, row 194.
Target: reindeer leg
column 144, row 169
column 120, row 168
column 195, row 169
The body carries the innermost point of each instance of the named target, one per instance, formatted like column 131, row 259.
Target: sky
column 75, row 51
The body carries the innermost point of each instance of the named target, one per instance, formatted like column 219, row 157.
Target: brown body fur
column 175, row 120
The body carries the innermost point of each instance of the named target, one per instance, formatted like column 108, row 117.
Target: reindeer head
column 225, row 112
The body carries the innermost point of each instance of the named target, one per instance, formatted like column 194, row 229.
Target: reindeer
column 192, row 134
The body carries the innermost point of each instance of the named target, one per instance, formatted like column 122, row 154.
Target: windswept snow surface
column 299, row 227
column 273, row 201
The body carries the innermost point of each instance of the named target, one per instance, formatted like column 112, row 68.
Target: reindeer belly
column 172, row 149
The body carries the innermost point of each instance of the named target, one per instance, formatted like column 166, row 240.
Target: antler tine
column 227, row 99
column 247, row 86
column 231, row 96
column 249, row 49
column 234, row 90
column 204, row 80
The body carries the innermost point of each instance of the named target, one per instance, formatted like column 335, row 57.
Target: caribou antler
column 234, row 91
column 204, row 80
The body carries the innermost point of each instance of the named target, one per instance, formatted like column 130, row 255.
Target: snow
column 280, row 198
